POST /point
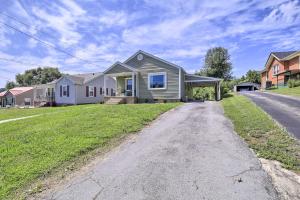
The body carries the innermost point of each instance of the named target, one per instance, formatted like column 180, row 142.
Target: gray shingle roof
column 83, row 78
column 283, row 54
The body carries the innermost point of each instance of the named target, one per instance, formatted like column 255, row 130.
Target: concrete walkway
column 188, row 153
column 284, row 109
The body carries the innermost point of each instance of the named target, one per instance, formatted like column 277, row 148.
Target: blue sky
column 180, row 31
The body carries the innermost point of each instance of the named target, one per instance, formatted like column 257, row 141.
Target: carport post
column 219, row 92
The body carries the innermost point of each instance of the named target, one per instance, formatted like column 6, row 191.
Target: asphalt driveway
column 189, row 153
column 284, row 109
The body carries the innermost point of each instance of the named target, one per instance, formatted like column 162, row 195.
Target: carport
column 192, row 81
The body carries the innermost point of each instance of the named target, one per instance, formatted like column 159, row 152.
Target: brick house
column 280, row 67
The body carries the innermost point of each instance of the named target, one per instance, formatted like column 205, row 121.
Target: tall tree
column 38, row 76
column 10, row 85
column 253, row 76
column 217, row 64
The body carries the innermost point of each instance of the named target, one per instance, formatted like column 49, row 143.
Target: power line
column 20, row 62
column 45, row 43
column 25, row 24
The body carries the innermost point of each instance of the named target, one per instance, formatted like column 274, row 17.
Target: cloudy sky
column 99, row 33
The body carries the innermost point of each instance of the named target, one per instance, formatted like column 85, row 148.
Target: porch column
column 104, row 85
column 133, row 85
column 137, row 85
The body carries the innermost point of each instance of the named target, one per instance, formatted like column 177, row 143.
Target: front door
column 128, row 86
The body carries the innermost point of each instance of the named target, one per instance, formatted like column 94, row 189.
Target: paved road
column 284, row 109
column 189, row 153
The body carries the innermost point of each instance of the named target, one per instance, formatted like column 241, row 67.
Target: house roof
column 19, row 90
column 82, row 78
column 154, row 57
column 120, row 64
column 2, row 93
column 281, row 56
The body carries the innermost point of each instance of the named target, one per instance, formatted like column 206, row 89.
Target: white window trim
column 92, row 90
column 158, row 73
column 126, row 84
column 66, row 90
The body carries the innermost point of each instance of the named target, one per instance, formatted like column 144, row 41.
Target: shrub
column 293, row 83
column 204, row 93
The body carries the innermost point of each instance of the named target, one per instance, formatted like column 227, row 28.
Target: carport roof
column 190, row 78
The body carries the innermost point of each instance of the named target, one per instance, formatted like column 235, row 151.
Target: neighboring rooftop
column 283, row 54
column 2, row 93
column 19, row 90
column 83, row 78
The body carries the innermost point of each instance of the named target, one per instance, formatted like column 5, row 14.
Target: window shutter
column 100, row 90
column 60, row 91
column 87, row 91
column 68, row 90
column 95, row 91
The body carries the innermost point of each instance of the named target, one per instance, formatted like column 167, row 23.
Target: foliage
column 262, row 134
column 2, row 89
column 293, row 83
column 227, row 86
column 38, row 76
column 253, row 76
column 33, row 147
column 10, row 85
column 204, row 93
column 217, row 64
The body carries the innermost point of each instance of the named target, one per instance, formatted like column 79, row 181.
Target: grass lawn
column 10, row 113
column 261, row 133
column 31, row 148
column 287, row 91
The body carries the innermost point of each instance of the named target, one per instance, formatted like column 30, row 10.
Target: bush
column 293, row 83
column 204, row 93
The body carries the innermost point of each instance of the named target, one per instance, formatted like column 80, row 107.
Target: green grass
column 287, row 91
column 31, row 148
column 10, row 113
column 262, row 134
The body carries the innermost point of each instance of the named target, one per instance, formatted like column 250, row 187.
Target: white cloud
column 64, row 23
column 113, row 18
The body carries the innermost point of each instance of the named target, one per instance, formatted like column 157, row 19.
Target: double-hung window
column 91, row 91
column 65, row 90
column 275, row 69
column 157, row 80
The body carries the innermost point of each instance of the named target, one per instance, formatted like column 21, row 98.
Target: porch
column 126, row 84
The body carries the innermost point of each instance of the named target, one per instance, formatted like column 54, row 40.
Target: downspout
column 179, row 83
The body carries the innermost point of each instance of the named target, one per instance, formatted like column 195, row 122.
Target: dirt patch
column 286, row 182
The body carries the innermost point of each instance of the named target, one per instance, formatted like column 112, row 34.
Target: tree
column 217, row 64
column 38, row 76
column 10, row 84
column 253, row 76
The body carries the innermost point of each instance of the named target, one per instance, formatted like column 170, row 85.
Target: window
column 101, row 91
column 157, row 80
column 91, row 91
column 65, row 90
column 106, row 91
column 111, row 92
column 275, row 69
column 128, row 84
